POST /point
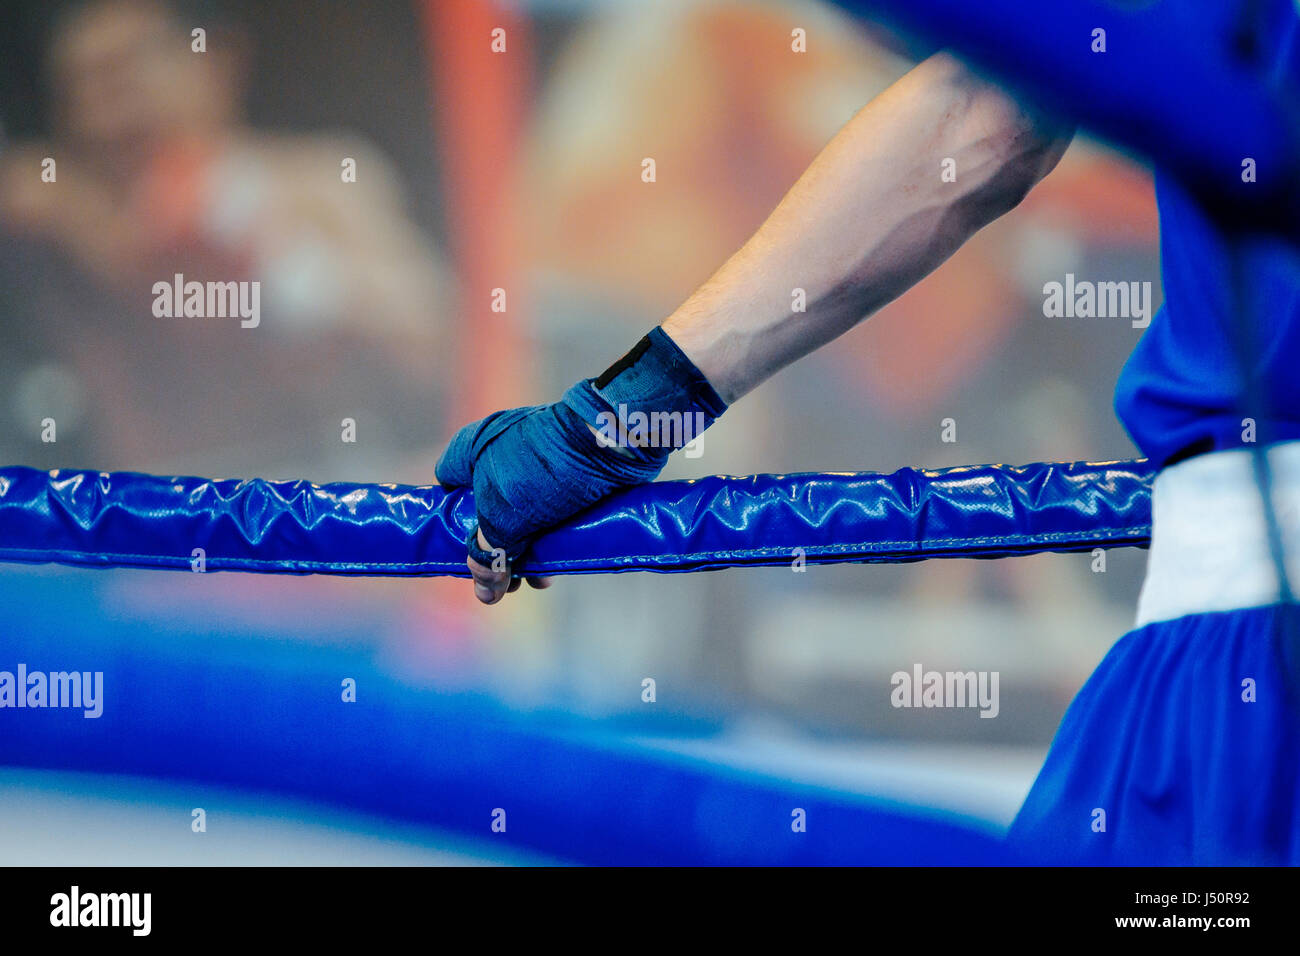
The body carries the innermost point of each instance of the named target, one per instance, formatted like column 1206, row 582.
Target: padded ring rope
column 125, row 519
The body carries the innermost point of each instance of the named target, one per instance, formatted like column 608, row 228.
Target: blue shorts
column 1183, row 748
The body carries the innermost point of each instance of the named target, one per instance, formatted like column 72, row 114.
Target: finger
column 489, row 586
column 455, row 467
column 540, row 584
column 515, row 584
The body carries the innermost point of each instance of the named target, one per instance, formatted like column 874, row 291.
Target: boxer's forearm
column 868, row 219
column 871, row 217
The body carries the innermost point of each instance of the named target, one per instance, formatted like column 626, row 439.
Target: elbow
column 1006, row 146
column 1018, row 154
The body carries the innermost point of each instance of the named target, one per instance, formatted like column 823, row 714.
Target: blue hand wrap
column 532, row 468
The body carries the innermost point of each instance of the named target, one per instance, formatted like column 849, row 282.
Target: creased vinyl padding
column 101, row 519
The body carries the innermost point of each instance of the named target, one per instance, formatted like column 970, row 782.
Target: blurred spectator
column 158, row 174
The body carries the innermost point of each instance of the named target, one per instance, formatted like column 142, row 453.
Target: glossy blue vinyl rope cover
column 124, row 519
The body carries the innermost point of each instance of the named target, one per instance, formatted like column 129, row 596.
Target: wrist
column 650, row 402
column 715, row 347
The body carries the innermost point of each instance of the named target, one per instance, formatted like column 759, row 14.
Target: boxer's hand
column 533, row 468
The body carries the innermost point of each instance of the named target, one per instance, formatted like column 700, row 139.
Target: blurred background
column 521, row 171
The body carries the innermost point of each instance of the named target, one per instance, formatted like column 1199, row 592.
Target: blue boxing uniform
column 1183, row 748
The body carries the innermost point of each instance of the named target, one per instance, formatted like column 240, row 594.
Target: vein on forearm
column 870, row 218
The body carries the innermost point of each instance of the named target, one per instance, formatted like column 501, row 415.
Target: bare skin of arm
column 870, row 218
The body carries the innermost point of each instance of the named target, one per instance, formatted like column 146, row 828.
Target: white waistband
column 1209, row 543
